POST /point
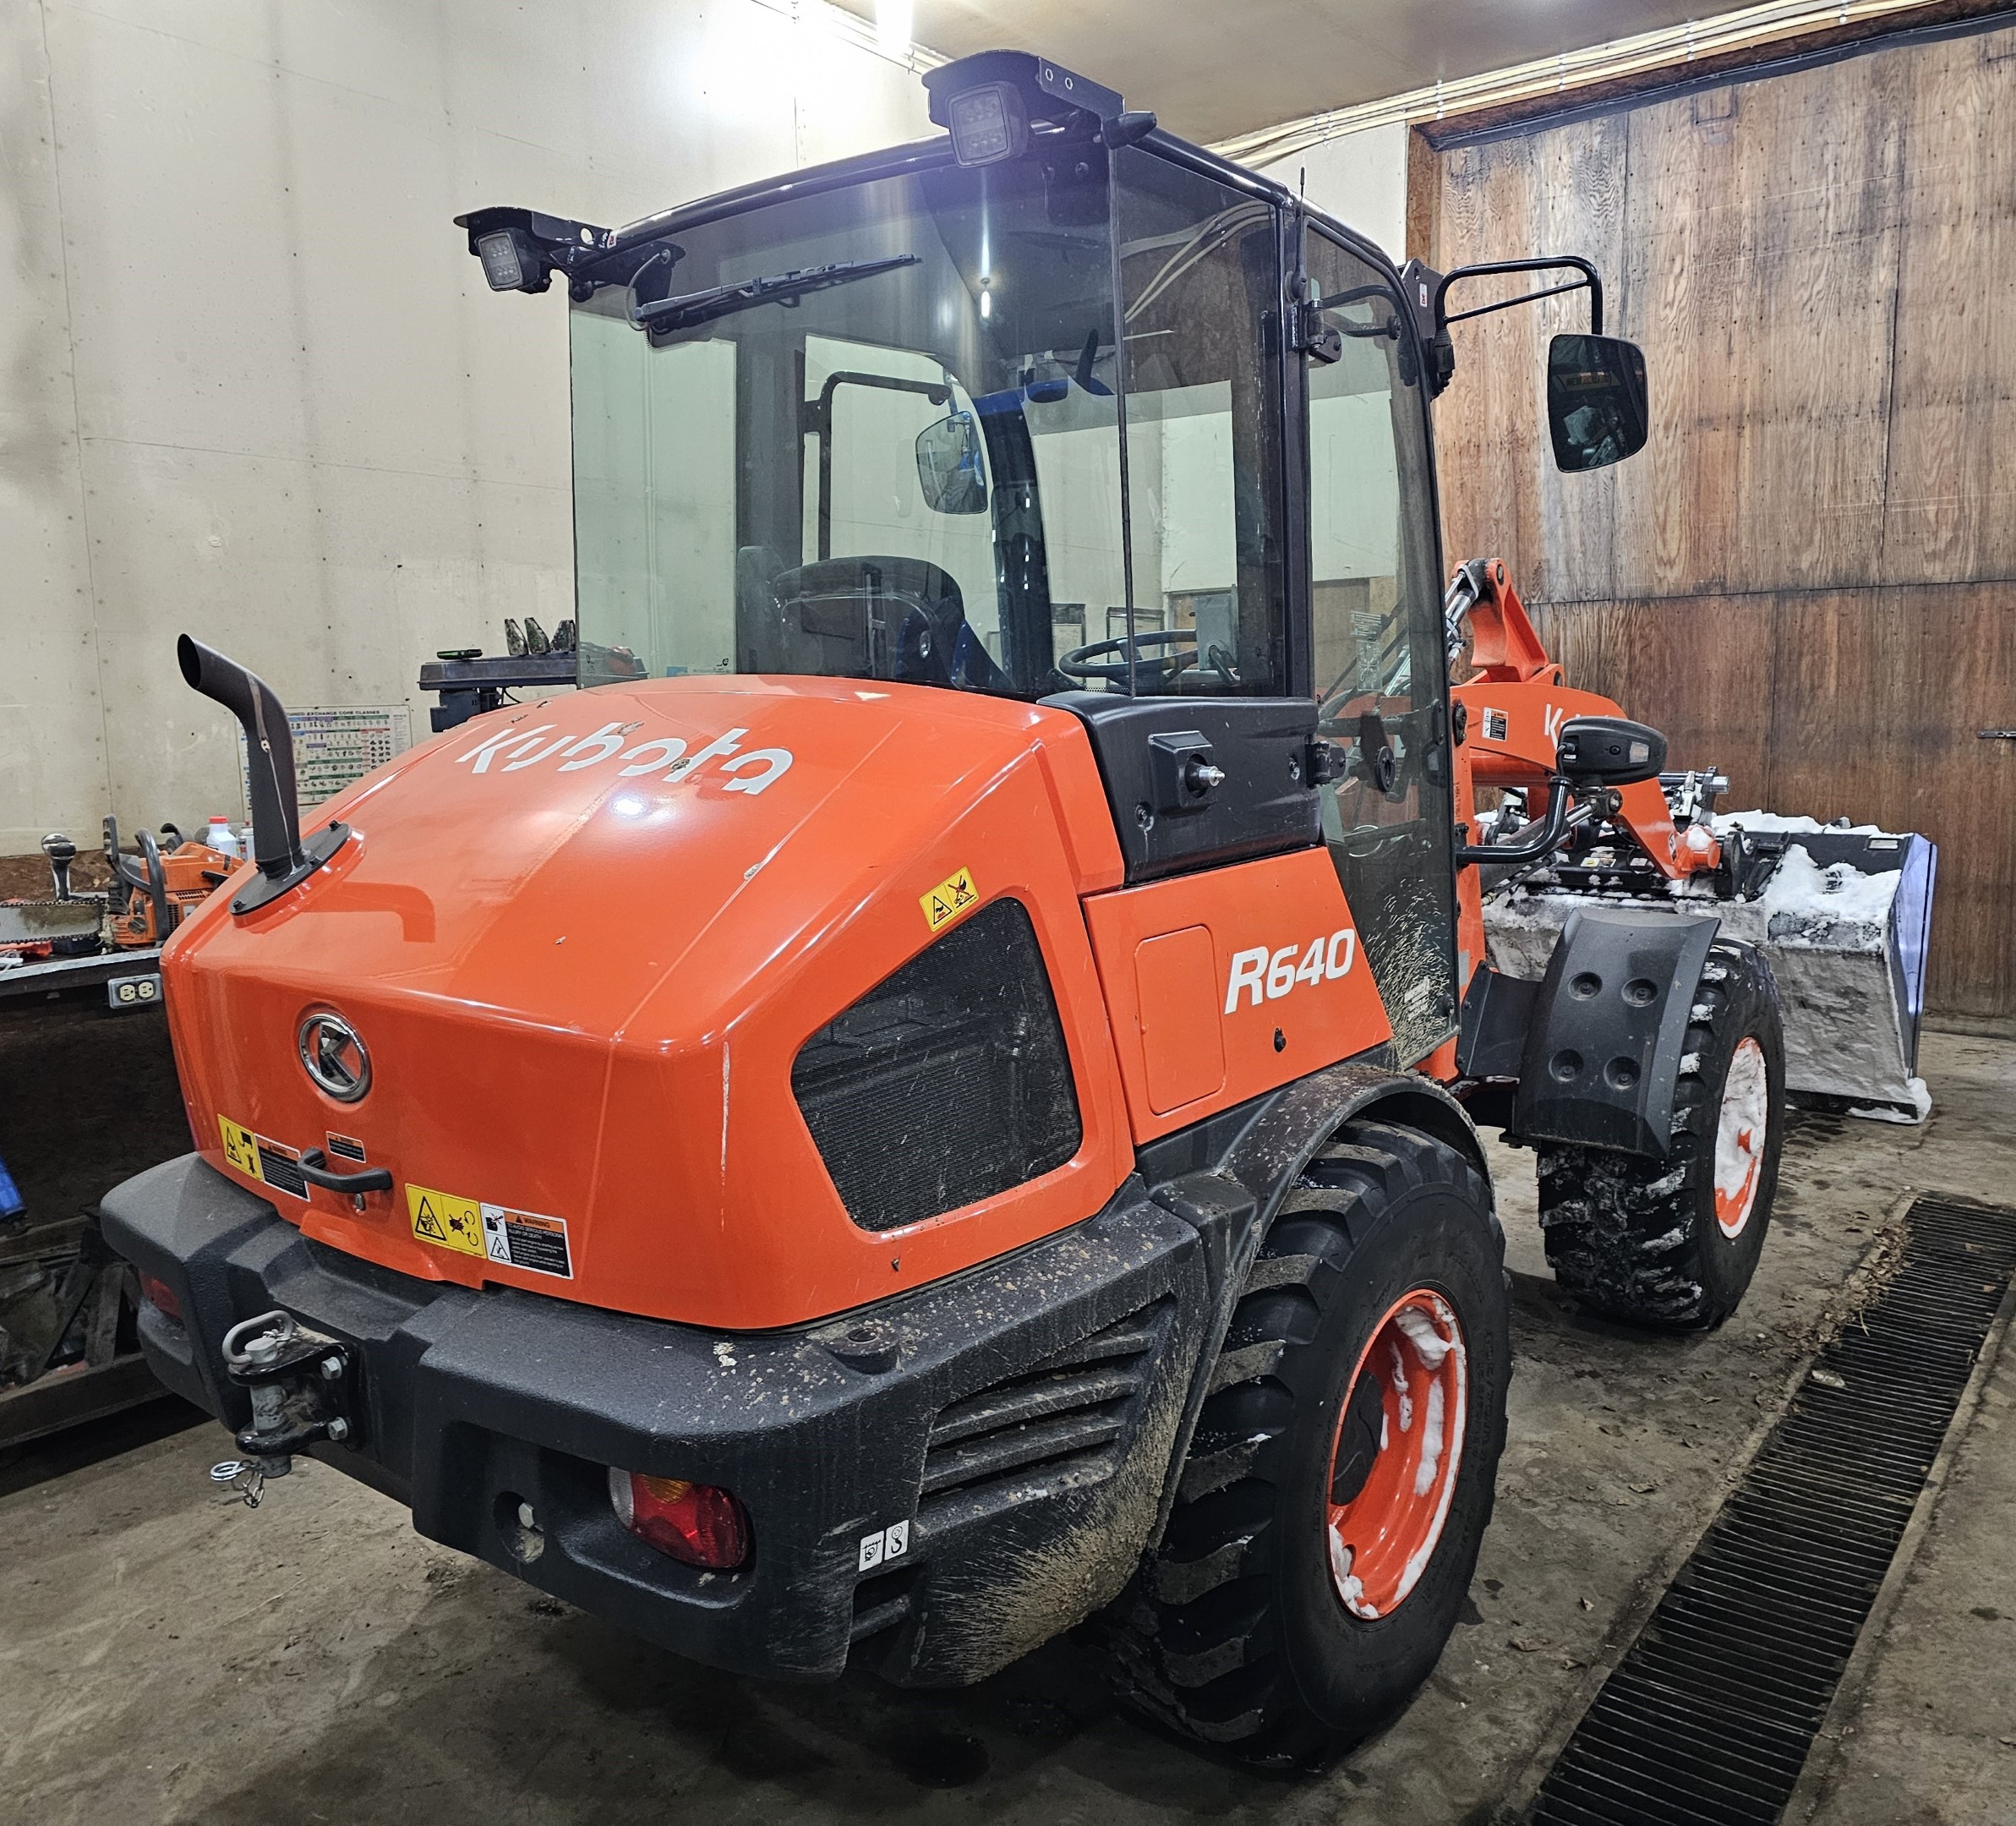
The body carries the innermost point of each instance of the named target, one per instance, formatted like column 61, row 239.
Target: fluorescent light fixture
column 892, row 21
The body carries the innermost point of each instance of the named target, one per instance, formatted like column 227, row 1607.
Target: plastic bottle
column 222, row 839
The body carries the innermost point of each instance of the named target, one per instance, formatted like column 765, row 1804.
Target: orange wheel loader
column 947, row 1108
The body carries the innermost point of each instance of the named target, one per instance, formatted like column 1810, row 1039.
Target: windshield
column 884, row 432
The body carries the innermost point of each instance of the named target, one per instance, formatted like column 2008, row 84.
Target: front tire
column 1342, row 1472
column 1674, row 1242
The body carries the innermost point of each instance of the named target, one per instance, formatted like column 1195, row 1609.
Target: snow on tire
column 1674, row 1242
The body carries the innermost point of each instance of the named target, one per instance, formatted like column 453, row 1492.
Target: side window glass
column 1200, row 278
column 654, row 492
column 866, row 492
column 1376, row 638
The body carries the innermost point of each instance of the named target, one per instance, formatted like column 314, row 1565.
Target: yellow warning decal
column 444, row 1219
column 241, row 1148
column 955, row 895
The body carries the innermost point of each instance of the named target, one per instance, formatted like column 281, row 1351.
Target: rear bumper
column 1024, row 1430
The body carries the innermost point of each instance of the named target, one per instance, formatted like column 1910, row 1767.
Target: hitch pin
column 244, row 1476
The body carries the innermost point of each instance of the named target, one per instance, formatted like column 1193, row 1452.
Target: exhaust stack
column 284, row 861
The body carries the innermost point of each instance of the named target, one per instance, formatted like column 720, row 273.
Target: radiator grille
column 946, row 1084
column 1710, row 1714
column 1065, row 1422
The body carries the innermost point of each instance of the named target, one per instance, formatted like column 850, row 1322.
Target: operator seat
column 862, row 617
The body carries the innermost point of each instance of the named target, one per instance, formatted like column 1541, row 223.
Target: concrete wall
column 252, row 386
column 1361, row 178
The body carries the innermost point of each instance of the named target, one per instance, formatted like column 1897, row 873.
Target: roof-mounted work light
column 993, row 101
column 521, row 249
column 988, row 124
column 510, row 261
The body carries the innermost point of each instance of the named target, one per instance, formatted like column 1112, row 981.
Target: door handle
column 314, row 1169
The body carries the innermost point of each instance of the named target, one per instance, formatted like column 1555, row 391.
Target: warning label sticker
column 527, row 1240
column 280, row 1166
column 258, row 1157
column 955, row 895
column 444, row 1219
column 241, row 1147
column 1497, row 725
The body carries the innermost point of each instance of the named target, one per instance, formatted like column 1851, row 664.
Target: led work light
column 988, row 124
column 505, row 262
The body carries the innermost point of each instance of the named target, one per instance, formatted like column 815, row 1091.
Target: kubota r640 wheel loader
column 940, row 1109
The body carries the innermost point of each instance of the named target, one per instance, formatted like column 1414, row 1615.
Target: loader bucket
column 1842, row 916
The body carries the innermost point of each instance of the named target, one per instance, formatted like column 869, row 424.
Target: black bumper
column 1024, row 1428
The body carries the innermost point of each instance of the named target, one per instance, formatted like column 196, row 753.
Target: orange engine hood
column 582, row 942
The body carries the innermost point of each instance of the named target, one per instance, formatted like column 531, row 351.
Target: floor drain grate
column 1709, row 1716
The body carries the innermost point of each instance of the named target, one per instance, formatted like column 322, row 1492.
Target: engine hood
column 562, row 929
column 555, row 863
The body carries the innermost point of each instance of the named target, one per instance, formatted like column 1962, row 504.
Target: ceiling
column 1213, row 69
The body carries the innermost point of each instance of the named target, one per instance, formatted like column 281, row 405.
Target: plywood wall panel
column 1950, row 496
column 1877, row 706
column 1700, row 669
column 1808, row 577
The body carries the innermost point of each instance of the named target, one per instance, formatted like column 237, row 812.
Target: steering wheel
column 1164, row 665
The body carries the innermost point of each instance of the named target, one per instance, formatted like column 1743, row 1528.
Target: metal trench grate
column 1709, row 1716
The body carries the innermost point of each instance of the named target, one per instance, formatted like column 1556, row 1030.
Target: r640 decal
column 1270, row 975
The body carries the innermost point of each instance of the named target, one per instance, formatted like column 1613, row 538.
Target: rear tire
column 1241, row 1632
column 1648, row 1241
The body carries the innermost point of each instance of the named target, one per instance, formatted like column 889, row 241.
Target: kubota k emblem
column 334, row 1057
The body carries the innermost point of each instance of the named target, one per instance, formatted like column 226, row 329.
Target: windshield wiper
column 776, row 288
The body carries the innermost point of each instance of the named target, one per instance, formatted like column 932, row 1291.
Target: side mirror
column 950, row 468
column 1609, row 751
column 1596, row 401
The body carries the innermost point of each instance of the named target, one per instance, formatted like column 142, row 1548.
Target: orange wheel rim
column 1740, row 1137
column 1396, row 1454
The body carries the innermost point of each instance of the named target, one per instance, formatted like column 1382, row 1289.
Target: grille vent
column 947, row 1083
column 1710, row 1715
column 1065, row 1422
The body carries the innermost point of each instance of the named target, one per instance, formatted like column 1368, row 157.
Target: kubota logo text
column 1271, row 975
column 749, row 771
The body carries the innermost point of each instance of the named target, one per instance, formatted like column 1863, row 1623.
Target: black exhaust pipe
column 283, row 860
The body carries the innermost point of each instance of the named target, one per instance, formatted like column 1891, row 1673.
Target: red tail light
column 161, row 1294
column 696, row 1522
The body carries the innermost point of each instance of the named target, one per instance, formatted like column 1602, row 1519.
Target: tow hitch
column 299, row 1380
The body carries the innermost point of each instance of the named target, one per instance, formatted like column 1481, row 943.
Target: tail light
column 699, row 1523
column 159, row 1294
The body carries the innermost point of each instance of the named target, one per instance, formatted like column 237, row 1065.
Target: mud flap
column 1604, row 1030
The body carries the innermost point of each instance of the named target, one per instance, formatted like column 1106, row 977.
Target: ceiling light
column 892, row 27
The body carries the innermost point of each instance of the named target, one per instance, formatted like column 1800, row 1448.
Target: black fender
column 1595, row 1044
column 1228, row 1175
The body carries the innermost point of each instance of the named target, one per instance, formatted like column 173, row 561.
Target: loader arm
column 1510, row 712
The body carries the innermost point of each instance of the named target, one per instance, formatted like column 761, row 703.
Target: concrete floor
column 166, row 1654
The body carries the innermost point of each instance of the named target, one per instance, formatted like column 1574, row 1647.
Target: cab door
column 1380, row 667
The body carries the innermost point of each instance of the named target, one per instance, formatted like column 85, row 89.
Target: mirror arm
column 815, row 419
column 1552, row 827
column 1590, row 282
column 1530, row 297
